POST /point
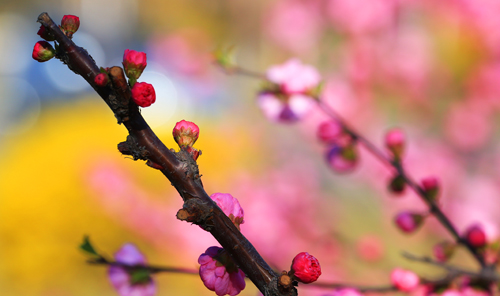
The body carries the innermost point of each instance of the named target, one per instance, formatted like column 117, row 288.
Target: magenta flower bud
column 430, row 185
column 397, row 185
column 330, row 131
column 443, row 251
column 70, row 24
column 342, row 159
column 43, row 51
column 219, row 273
column 408, row 222
column 475, row 236
column 131, row 282
column 134, row 63
column 101, row 79
column 230, row 206
column 395, row 142
column 44, row 33
column 305, row 268
column 143, row 94
column 404, row 280
column 185, row 133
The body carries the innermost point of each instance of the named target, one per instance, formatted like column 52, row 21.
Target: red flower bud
column 44, row 33
column 395, row 142
column 43, row 51
column 305, row 268
column 408, row 222
column 475, row 236
column 101, row 79
column 431, row 187
column 134, row 63
column 70, row 24
column 143, row 94
column 185, row 133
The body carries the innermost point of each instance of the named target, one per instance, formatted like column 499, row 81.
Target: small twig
column 363, row 289
column 150, row 268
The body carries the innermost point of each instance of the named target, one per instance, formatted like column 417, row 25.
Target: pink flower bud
column 404, row 280
column 134, row 63
column 330, row 131
column 342, row 159
column 70, row 24
column 475, row 236
column 143, row 94
column 131, row 282
column 443, row 251
column 230, row 206
column 470, row 291
column 185, row 133
column 408, row 222
column 395, row 142
column 397, row 185
column 219, row 273
column 43, row 51
column 430, row 185
column 44, row 33
column 101, row 79
column 305, row 268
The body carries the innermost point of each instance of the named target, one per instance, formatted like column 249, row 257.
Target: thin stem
column 150, row 268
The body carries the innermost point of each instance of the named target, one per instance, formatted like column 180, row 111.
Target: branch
column 150, row 268
column 179, row 168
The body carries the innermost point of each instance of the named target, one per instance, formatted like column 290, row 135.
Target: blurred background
column 429, row 67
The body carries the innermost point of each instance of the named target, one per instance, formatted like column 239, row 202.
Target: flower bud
column 44, row 33
column 185, row 133
column 230, row 206
column 305, row 268
column 475, row 236
column 43, row 51
column 408, row 222
column 330, row 131
column 70, row 24
column 404, row 280
column 443, row 251
column 134, row 63
column 143, row 94
column 430, row 185
column 342, row 159
column 395, row 142
column 397, row 185
column 101, row 79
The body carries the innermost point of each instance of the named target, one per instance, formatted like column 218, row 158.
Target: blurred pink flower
column 329, row 131
column 121, row 279
column 294, row 77
column 342, row 159
column 370, row 248
column 404, row 280
column 346, row 292
column 469, row 291
column 219, row 273
column 408, row 222
column 230, row 206
column 475, row 236
column 286, row 110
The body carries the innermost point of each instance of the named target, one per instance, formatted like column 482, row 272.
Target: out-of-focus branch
column 150, row 268
column 179, row 168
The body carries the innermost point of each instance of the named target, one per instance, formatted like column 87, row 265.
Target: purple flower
column 219, row 273
column 131, row 282
column 230, row 206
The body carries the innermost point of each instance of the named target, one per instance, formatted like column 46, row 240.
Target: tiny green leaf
column 87, row 247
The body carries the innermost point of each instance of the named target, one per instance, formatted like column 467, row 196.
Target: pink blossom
column 329, row 131
column 404, row 280
column 121, row 279
column 284, row 109
column 134, row 63
column 230, row 206
column 408, row 222
column 186, row 133
column 294, row 77
column 143, row 94
column 219, row 273
column 469, row 291
column 305, row 268
column 370, row 248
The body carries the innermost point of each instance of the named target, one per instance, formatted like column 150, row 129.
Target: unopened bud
column 395, row 142
column 329, row 131
column 443, row 251
column 305, row 268
column 397, row 184
column 475, row 236
column 134, row 63
column 408, row 222
column 430, row 185
column 70, row 24
column 404, row 280
column 43, row 51
column 101, row 79
column 186, row 133
column 44, row 33
column 143, row 94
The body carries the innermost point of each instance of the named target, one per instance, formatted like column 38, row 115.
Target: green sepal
column 87, row 247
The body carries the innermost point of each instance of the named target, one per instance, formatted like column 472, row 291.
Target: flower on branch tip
column 131, row 281
column 70, row 24
column 408, row 222
column 443, row 251
column 305, row 268
column 342, row 159
column 186, row 133
column 430, row 185
column 475, row 236
column 43, row 51
column 101, row 79
column 143, row 94
column 404, row 280
column 219, row 273
column 395, row 141
column 44, row 33
column 230, row 206
column 134, row 63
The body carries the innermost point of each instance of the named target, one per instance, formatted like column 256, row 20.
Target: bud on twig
column 395, row 142
column 475, row 236
column 408, row 222
column 185, row 133
column 70, row 24
column 43, row 51
column 305, row 268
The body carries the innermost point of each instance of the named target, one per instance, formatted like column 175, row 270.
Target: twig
column 150, row 268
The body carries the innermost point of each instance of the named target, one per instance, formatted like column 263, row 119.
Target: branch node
column 195, row 211
column 131, row 147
